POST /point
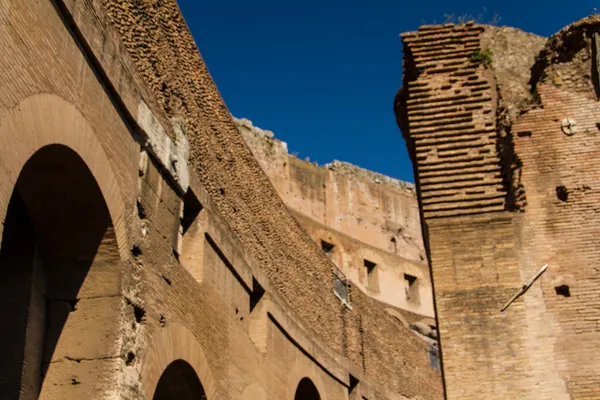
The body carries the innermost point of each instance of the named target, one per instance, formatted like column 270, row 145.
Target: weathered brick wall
column 560, row 174
column 163, row 49
column 363, row 214
column 447, row 104
column 537, row 348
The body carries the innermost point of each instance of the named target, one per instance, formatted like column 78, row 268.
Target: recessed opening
column 327, row 247
column 257, row 293
column 191, row 209
column 372, row 275
column 394, row 244
column 411, row 288
column 353, row 384
column 563, row 290
column 524, row 134
column 562, row 193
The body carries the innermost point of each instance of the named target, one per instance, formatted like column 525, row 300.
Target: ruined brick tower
column 503, row 129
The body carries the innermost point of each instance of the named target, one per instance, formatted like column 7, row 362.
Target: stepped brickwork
column 513, row 189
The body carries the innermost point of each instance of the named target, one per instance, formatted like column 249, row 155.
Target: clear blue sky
column 322, row 75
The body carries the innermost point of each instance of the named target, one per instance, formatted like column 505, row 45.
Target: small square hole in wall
column 372, row 275
column 327, row 247
column 563, row 290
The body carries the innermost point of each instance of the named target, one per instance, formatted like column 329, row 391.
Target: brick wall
column 363, row 214
column 537, row 348
column 160, row 44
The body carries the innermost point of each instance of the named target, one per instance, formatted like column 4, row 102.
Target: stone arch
column 307, row 390
column 303, row 374
column 60, row 272
column 179, row 381
column 63, row 240
column 45, row 119
column 171, row 343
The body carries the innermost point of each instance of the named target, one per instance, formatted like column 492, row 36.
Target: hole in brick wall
column 524, row 134
column 176, row 254
column 562, row 193
column 141, row 211
column 136, row 251
column 162, row 321
column 167, row 280
column 563, row 290
column 222, row 191
column 191, row 209
column 327, row 247
column 130, row 358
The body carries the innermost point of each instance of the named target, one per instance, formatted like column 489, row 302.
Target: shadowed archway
column 307, row 390
column 59, row 276
column 179, row 381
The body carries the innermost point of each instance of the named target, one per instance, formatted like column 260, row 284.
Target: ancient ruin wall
column 161, row 45
column 363, row 214
column 533, row 350
column 365, row 205
column 559, row 146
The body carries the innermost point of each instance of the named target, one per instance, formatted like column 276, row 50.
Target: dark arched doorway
column 307, row 390
column 58, row 252
column 179, row 381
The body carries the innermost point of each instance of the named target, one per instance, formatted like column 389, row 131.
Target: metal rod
column 525, row 287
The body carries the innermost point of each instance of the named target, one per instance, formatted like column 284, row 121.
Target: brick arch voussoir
column 171, row 343
column 301, row 371
column 46, row 119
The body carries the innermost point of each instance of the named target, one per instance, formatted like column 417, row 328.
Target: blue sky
column 322, row 75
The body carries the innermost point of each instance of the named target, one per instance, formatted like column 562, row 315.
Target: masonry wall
column 204, row 296
column 534, row 349
column 156, row 37
column 365, row 215
column 116, row 109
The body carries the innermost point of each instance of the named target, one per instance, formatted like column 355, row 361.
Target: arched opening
column 179, row 381
column 59, row 266
column 307, row 390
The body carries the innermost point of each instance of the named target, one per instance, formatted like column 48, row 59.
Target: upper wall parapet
column 261, row 139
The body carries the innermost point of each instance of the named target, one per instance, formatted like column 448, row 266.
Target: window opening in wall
column 372, row 275
column 394, row 244
column 341, row 286
column 411, row 288
column 191, row 209
column 326, row 247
